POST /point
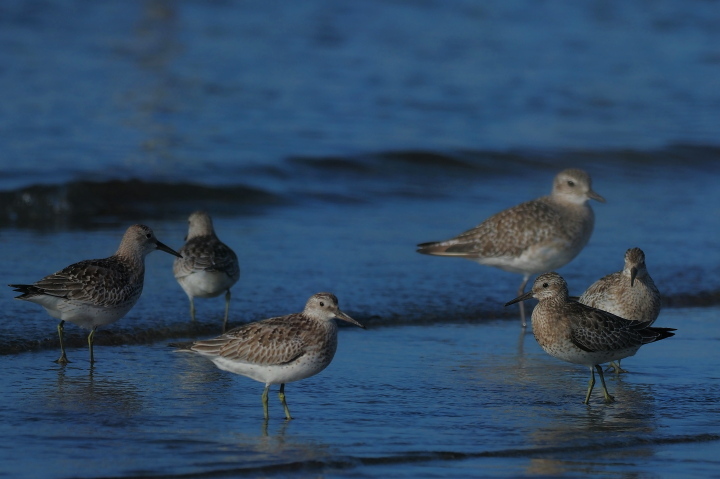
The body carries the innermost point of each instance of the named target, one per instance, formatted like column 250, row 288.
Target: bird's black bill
column 345, row 317
column 525, row 296
column 167, row 249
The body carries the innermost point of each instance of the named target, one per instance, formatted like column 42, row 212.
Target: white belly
column 536, row 259
column 205, row 284
column 84, row 315
column 274, row 374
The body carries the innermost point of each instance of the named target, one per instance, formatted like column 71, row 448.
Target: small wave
column 350, row 462
column 84, row 202
column 350, row 179
column 432, row 312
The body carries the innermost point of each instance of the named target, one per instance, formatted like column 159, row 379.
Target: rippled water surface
column 327, row 139
column 453, row 398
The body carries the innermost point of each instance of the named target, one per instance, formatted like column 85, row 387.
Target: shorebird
column 532, row 237
column 279, row 350
column 630, row 294
column 207, row 267
column 96, row 292
column 579, row 334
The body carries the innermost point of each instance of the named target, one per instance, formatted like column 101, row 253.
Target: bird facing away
column 579, row 334
column 630, row 293
column 279, row 350
column 96, row 292
column 207, row 267
column 533, row 237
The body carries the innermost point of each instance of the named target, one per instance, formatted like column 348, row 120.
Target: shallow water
column 327, row 139
column 471, row 398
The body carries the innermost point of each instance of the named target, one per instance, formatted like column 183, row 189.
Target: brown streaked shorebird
column 579, row 334
column 96, row 292
column 279, row 350
column 532, row 237
column 630, row 294
column 208, row 267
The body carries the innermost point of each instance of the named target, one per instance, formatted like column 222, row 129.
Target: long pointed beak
column 633, row 274
column 340, row 315
column 524, row 297
column 167, row 249
column 595, row 196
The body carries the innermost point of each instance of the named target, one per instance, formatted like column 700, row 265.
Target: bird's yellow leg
column 284, row 403
column 91, row 340
column 265, row 401
column 608, row 397
column 591, row 385
column 63, row 357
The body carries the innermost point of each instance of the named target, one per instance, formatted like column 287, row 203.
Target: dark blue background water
column 327, row 139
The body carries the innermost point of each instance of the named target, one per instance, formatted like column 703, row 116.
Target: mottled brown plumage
column 579, row 334
column 208, row 267
column 630, row 293
column 96, row 292
column 279, row 350
column 532, row 237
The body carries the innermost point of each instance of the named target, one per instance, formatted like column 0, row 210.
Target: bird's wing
column 91, row 281
column 206, row 253
column 489, row 238
column 269, row 342
column 598, row 330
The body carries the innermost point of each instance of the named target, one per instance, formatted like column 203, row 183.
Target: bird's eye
column 322, row 303
column 545, row 285
column 148, row 236
column 571, row 183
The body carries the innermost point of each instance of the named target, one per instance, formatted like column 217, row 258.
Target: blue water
column 327, row 139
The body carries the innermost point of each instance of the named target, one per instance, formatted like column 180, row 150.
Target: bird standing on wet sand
column 279, row 350
column 579, row 334
column 630, row 294
column 96, row 292
column 532, row 237
column 207, row 267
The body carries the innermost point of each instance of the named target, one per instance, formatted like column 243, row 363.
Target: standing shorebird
column 630, row 294
column 96, row 292
column 532, row 237
column 579, row 334
column 208, row 267
column 279, row 350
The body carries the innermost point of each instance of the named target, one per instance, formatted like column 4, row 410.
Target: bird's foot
column 615, row 367
column 62, row 360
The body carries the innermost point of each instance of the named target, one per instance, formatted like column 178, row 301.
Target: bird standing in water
column 208, row 267
column 96, row 292
column 532, row 237
column 630, row 294
column 279, row 350
column 579, row 334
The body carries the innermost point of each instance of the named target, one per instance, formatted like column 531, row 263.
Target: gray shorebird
column 532, row 237
column 207, row 267
column 96, row 292
column 630, row 294
column 579, row 334
column 279, row 350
